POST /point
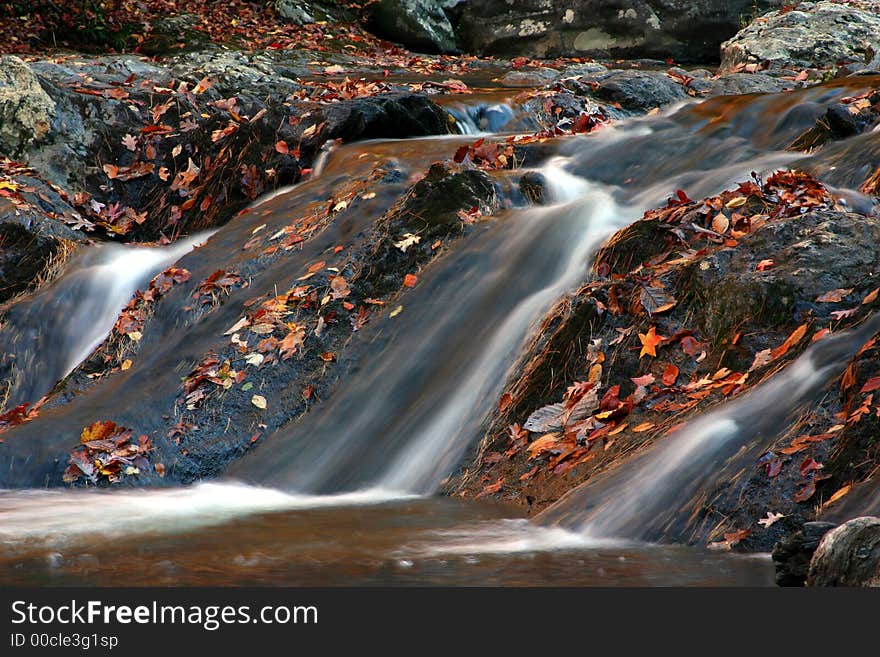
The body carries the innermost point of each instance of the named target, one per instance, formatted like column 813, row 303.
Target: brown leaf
column 795, row 337
column 806, row 492
column 871, row 385
column 834, row 296
column 655, row 299
column 839, row 494
column 670, row 375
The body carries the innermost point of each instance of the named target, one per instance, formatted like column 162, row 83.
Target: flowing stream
column 344, row 494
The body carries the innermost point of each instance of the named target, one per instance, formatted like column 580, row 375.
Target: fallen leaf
column 547, row 418
column 805, row 493
column 644, row 380
column 407, row 241
column 840, row 493
column 410, row 280
column 834, row 296
column 670, row 375
column 259, row 401
column 871, row 385
column 649, row 341
column 542, row 444
column 871, row 298
column 770, row 519
column 655, row 299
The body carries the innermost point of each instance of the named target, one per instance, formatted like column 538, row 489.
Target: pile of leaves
column 130, row 24
column 106, row 454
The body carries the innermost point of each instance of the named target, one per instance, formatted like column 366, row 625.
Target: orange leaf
column 871, row 385
column 410, row 280
column 670, row 375
column 796, row 336
column 649, row 341
column 871, row 298
column 843, row 491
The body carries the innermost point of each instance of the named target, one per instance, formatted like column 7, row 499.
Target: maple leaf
column 650, row 341
column 130, row 142
column 407, row 241
column 410, row 280
column 770, row 519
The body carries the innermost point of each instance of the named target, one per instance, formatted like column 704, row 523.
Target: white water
column 108, row 283
column 639, row 498
column 63, row 517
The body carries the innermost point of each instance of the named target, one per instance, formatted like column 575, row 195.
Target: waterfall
column 655, row 492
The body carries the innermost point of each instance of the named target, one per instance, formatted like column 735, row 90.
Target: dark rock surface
column 687, row 31
column 420, row 25
column 848, row 555
column 792, row 555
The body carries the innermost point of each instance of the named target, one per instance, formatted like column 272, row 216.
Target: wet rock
column 33, row 246
column 848, row 555
column 446, row 189
column 533, row 185
column 813, row 35
column 733, row 84
column 173, row 34
column 532, row 78
column 388, row 115
column 791, row 556
column 811, row 254
column 420, row 25
column 234, row 72
column 26, row 110
column 638, row 91
column 294, row 11
column 684, row 30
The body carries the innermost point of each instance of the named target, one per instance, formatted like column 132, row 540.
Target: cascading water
column 411, row 407
column 69, row 318
column 654, row 495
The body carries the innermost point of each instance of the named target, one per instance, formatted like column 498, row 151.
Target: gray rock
column 420, row 25
column 234, row 72
column 848, row 555
column 732, row 84
column 686, row 30
column 792, row 555
column 638, row 91
column 294, row 11
column 815, row 35
column 26, row 110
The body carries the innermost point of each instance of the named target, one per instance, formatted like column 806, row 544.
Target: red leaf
column 670, row 375
column 871, row 385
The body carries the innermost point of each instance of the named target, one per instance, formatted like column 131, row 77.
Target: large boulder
column 294, row 11
column 26, row 110
column 420, row 25
column 814, row 35
column 848, row 555
column 684, row 30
